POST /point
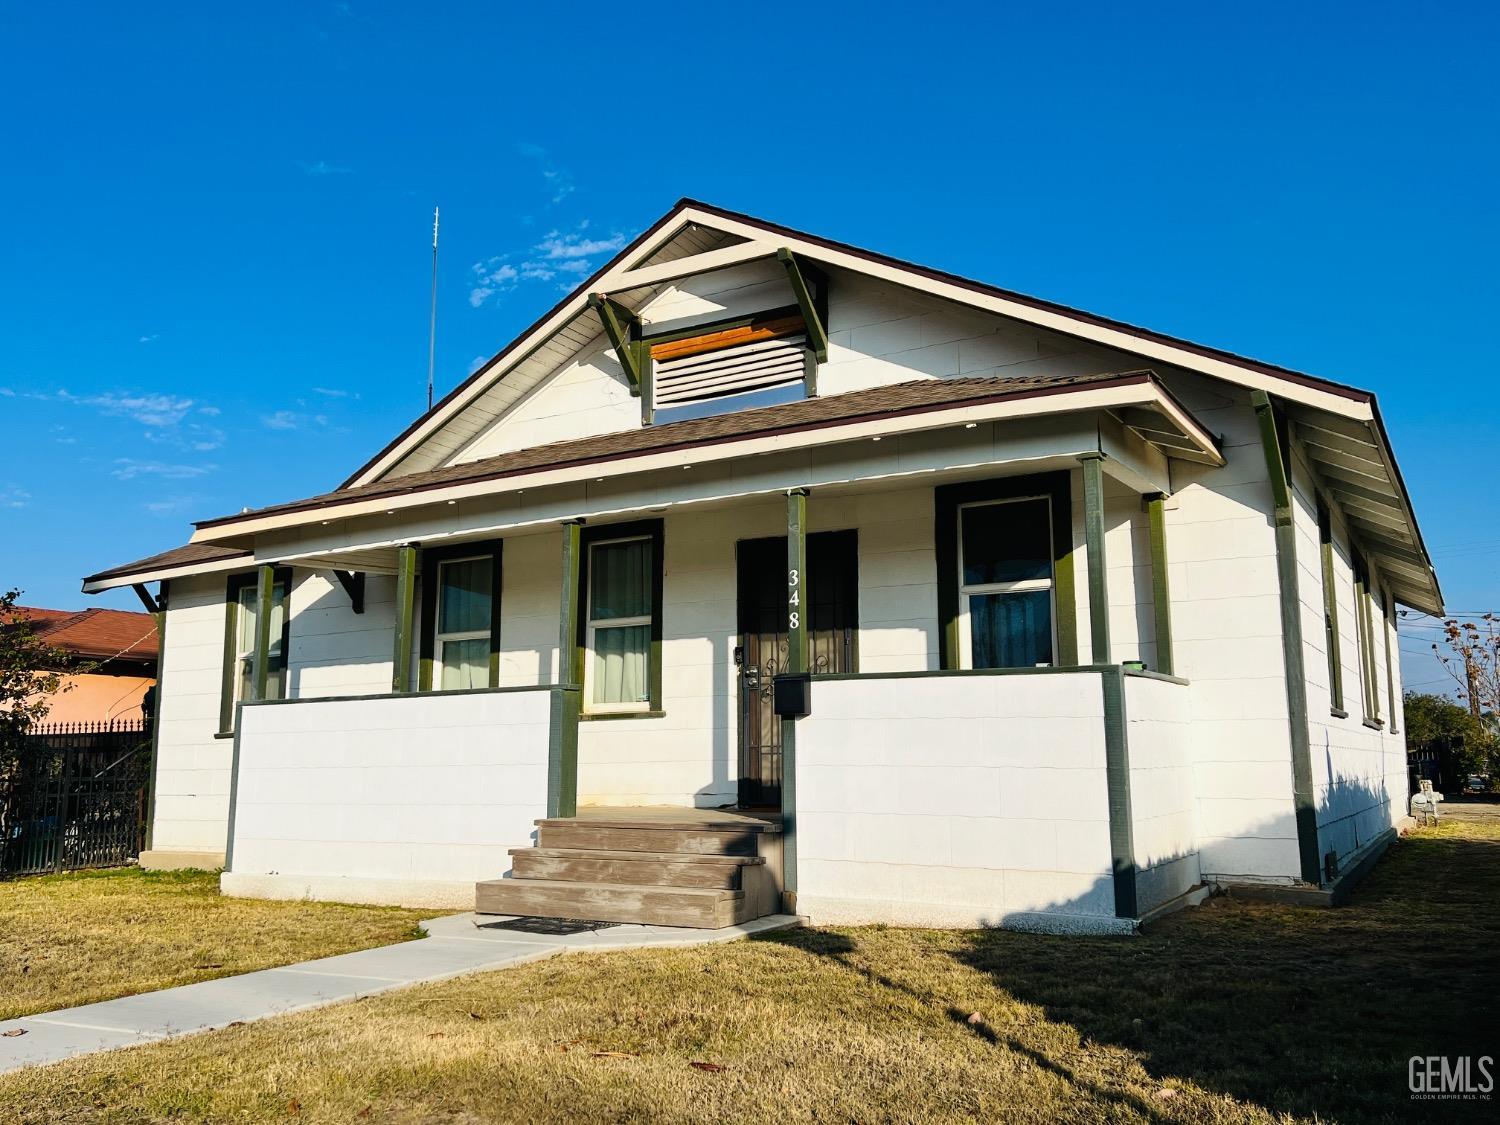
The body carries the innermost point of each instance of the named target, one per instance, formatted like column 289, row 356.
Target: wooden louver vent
column 762, row 356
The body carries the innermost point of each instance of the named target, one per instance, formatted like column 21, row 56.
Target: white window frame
column 591, row 626
column 244, row 658
column 967, row 590
column 439, row 638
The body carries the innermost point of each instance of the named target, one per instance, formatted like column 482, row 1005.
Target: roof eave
column 1132, row 389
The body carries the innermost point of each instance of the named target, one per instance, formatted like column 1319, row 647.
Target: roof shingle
column 898, row 398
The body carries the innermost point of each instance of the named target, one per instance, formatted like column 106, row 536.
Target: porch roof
column 191, row 558
column 1141, row 401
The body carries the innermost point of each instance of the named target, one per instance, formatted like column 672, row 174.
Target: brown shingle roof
column 899, row 398
column 178, row 556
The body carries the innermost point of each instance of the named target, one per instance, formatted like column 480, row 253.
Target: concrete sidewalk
column 455, row 945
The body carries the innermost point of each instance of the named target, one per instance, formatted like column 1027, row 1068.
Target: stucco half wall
column 406, row 799
column 956, row 800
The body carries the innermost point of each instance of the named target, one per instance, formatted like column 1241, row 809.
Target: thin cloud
column 292, row 420
column 169, row 505
column 159, row 410
column 323, row 168
column 557, row 180
column 149, row 339
column 13, row 496
column 128, row 468
column 561, row 256
column 334, row 392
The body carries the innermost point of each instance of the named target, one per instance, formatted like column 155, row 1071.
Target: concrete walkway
column 455, row 945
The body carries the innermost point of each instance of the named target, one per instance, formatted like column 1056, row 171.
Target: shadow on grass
column 1298, row 1010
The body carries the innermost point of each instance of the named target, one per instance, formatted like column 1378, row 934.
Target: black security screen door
column 833, row 559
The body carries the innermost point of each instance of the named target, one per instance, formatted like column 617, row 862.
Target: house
column 109, row 663
column 765, row 571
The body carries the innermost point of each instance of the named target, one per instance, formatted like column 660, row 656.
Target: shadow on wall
column 1296, row 1010
column 1352, row 811
column 1091, row 910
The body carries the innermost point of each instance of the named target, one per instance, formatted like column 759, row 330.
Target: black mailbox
column 792, row 694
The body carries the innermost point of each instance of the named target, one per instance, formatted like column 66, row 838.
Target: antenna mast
column 432, row 320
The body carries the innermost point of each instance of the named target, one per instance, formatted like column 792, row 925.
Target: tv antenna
column 432, row 318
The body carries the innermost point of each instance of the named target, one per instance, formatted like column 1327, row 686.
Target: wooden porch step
column 590, row 835
column 662, row 817
column 661, row 869
column 695, row 907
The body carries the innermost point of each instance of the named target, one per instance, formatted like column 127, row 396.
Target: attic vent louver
column 758, row 366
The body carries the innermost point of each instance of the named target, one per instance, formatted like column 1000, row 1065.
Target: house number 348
column 794, row 598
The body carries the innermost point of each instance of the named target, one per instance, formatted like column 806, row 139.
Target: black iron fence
column 73, row 795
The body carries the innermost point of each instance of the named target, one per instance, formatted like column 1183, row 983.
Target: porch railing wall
column 1163, row 804
column 406, row 798
column 956, row 799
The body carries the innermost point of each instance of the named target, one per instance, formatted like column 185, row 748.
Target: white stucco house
column 768, row 572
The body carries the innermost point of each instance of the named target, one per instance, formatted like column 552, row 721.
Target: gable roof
column 100, row 634
column 639, row 262
column 695, row 238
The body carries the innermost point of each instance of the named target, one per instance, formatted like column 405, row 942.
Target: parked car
column 1476, row 783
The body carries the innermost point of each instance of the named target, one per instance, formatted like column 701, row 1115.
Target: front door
column 833, row 560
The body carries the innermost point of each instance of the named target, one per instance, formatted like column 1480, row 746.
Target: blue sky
column 214, row 269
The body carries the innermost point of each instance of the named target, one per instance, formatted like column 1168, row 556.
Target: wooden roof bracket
column 814, row 308
column 623, row 328
column 353, row 582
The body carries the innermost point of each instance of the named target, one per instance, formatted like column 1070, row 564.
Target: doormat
column 552, row 927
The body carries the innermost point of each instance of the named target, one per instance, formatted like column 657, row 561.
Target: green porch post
column 265, row 596
column 1304, row 801
column 1161, row 595
column 567, row 696
column 1093, row 528
column 406, row 587
column 798, row 662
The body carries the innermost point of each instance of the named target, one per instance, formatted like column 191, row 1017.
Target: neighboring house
column 776, row 571
column 110, row 666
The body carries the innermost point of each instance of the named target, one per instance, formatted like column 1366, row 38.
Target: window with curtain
column 465, row 606
column 1005, row 583
column 249, row 613
column 618, row 663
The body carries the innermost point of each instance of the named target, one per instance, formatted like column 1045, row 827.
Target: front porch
column 579, row 703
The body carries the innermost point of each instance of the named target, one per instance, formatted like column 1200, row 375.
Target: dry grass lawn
column 1232, row 1012
column 95, row 935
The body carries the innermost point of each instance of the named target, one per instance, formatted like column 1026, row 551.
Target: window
column 1366, row 634
column 1005, row 572
column 461, row 617
column 620, row 590
column 242, row 611
column 1388, row 628
column 1005, row 583
column 463, row 623
column 619, row 625
column 1330, row 609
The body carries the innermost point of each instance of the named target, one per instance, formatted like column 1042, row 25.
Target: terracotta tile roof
column 899, row 398
column 177, row 556
column 98, row 633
